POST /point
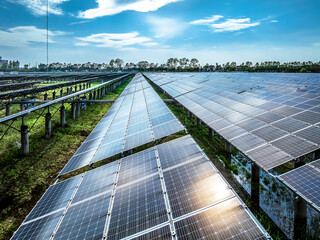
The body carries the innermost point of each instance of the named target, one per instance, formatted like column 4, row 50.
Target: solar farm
column 143, row 173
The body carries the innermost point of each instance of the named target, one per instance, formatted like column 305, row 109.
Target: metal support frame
column 45, row 97
column 63, row 115
column 8, row 109
column 255, row 184
column 300, row 218
column 227, row 146
column 24, row 139
column 199, row 121
column 54, row 95
column 48, row 125
column 211, row 132
column 78, row 107
column 73, row 110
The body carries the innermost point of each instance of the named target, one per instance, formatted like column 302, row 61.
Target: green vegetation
column 24, row 179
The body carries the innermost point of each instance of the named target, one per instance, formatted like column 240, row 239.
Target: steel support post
column 98, row 93
column 227, row 146
column 24, row 139
column 8, row 109
column 75, row 89
column 54, row 95
column 94, row 95
column 63, row 115
column 73, row 110
column 61, row 93
column 78, row 105
column 211, row 132
column 45, row 97
column 199, row 121
column 67, row 91
column 255, row 183
column 300, row 218
column 48, row 126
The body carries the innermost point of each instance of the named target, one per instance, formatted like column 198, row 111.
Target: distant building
column 3, row 61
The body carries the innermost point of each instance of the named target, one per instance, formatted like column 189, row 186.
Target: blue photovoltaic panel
column 137, row 166
column 56, row 197
column 178, row 151
column 40, row 229
column 85, row 220
column 137, row 207
column 193, row 186
column 306, row 181
column 162, row 233
column 222, row 221
column 96, row 181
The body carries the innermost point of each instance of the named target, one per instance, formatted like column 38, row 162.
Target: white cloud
column 274, row 21
column 82, row 44
column 23, row 36
column 234, row 25
column 112, row 7
column 207, row 20
column 317, row 44
column 166, row 27
column 116, row 40
column 39, row 7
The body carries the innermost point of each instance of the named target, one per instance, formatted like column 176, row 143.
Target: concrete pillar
column 90, row 96
column 211, row 132
column 71, row 90
column 24, row 139
column 75, row 89
column 300, row 218
column 8, row 109
column 48, row 126
column 54, row 95
column 73, row 110
column 102, row 92
column 67, row 91
column 98, row 93
column 199, row 121
column 45, row 97
column 61, row 93
column 255, row 183
column 80, row 87
column 78, row 108
column 190, row 114
column 94, row 95
column 227, row 146
column 63, row 116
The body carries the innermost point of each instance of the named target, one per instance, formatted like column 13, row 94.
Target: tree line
column 179, row 65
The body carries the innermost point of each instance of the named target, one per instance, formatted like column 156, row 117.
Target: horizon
column 154, row 31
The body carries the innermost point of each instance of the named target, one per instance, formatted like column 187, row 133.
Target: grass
column 24, row 179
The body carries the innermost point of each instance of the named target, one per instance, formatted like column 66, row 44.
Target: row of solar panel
column 270, row 133
column 127, row 199
column 137, row 117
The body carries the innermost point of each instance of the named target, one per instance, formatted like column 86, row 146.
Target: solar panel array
column 272, row 118
column 305, row 181
column 137, row 117
column 168, row 191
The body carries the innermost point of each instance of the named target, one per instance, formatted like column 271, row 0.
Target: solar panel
column 311, row 134
column 294, row 146
column 137, row 166
column 162, row 233
column 290, row 125
column 40, row 229
column 316, row 164
column 137, row 207
column 222, row 221
column 308, row 117
column 193, row 186
column 306, row 182
column 56, row 197
column 85, row 220
column 269, row 133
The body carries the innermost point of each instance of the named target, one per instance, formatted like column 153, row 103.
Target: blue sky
column 155, row 30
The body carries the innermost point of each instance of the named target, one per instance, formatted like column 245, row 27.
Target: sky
column 212, row 31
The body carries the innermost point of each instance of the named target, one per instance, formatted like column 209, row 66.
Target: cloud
column 274, row 21
column 39, row 7
column 207, row 20
column 317, row 44
column 112, row 7
column 116, row 40
column 23, row 36
column 226, row 25
column 234, row 25
column 166, row 27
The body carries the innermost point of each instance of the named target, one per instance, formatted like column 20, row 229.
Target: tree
column 111, row 63
column 118, row 62
column 184, row 62
column 194, row 63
